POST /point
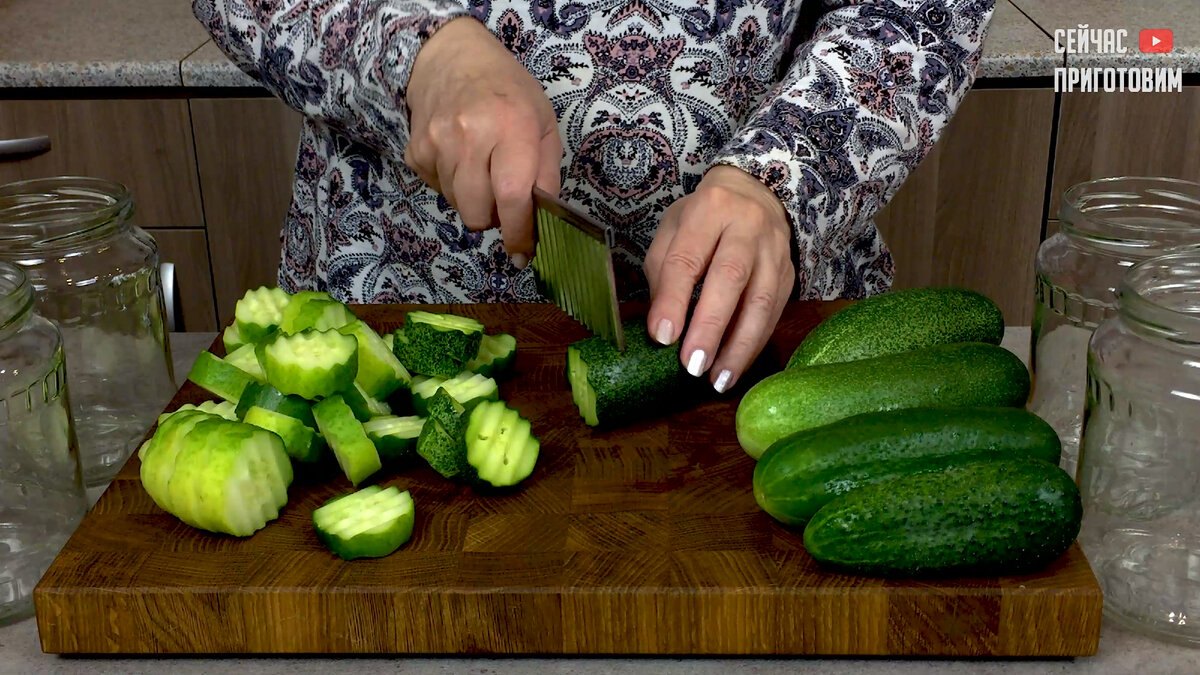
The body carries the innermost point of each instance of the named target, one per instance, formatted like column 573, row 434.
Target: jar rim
column 46, row 213
column 1162, row 296
column 1170, row 205
column 16, row 295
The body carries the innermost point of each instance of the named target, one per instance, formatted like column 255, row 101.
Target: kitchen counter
column 1120, row 651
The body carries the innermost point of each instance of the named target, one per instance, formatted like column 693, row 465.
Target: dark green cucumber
column 269, row 398
column 1001, row 517
column 467, row 388
column 437, row 344
column 802, row 472
column 496, row 356
column 613, row 388
column 489, row 444
column 900, row 321
column 217, row 376
column 364, row 405
column 957, row 375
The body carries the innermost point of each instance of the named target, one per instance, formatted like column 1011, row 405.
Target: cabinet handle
column 23, row 148
column 166, row 272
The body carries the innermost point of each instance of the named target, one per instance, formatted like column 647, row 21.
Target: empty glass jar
column 96, row 276
column 1108, row 225
column 1139, row 466
column 41, row 490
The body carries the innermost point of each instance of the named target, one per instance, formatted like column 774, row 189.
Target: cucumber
column 488, row 445
column 259, row 312
column 437, row 344
column 612, row 388
column 223, row 409
column 1004, row 517
column 441, row 449
column 300, row 442
column 394, row 437
column 467, row 388
column 311, row 364
column 968, row 374
column 246, row 358
column 379, row 371
column 390, row 340
column 900, row 321
column 355, row 453
column 363, row 405
column 159, row 453
column 217, row 376
column 231, row 338
column 496, row 356
column 314, row 310
column 369, row 523
column 802, row 472
column 269, row 398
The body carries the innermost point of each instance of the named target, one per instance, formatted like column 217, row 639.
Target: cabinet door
column 971, row 213
column 246, row 151
column 144, row 144
column 188, row 251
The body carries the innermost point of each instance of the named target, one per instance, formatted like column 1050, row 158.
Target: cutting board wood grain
column 645, row 540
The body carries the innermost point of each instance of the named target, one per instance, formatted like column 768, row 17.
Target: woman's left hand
column 733, row 234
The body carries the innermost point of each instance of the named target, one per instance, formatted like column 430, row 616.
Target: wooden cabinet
column 971, row 213
column 246, row 151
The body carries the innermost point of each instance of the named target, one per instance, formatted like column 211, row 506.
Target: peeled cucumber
column 311, row 364
column 355, row 453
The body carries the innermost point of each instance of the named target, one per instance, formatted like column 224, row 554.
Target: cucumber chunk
column 441, row 449
column 394, row 437
column 311, row 364
column 246, row 359
column 389, row 340
column 500, row 446
column 355, row 453
column 223, row 409
column 231, row 338
column 363, row 405
column 259, row 312
column 267, row 397
column 496, row 356
column 217, row 376
column 437, row 344
column 581, row 390
column 423, row 389
column 379, row 371
column 370, row 523
column 467, row 388
column 299, row 441
column 159, row 453
column 314, row 310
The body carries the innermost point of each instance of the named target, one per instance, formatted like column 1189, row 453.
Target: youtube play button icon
column 1155, row 40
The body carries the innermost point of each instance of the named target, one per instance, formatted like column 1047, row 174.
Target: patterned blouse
column 831, row 105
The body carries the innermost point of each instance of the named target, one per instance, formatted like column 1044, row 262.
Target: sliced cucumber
column 445, row 322
column 369, row 523
column 581, row 390
column 268, row 397
column 259, row 312
column 447, row 411
column 389, row 340
column 217, row 376
column 363, row 405
column 231, row 338
column 423, row 389
column 379, row 371
column 437, row 344
column 223, row 409
column 500, row 446
column 314, row 310
column 496, row 356
column 441, row 449
column 467, row 388
column 394, row 437
column 311, row 364
column 301, row 443
column 159, row 453
column 246, row 359
column 355, row 453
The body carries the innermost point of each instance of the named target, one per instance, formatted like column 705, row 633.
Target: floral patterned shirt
column 648, row 94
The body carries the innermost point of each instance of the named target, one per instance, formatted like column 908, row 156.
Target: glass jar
column 41, row 487
column 1108, row 225
column 1139, row 467
column 96, row 276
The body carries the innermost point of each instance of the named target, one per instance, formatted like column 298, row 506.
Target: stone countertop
column 158, row 43
column 1179, row 16
column 1120, row 652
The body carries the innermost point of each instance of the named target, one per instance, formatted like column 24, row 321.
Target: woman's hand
column 733, row 233
column 483, row 132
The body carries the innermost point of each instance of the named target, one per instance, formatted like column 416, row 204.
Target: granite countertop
column 1120, row 652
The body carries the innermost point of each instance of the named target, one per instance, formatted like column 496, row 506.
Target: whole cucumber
column 802, row 472
column 1003, row 517
column 954, row 375
column 900, row 321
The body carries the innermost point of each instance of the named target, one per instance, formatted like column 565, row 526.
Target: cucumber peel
column 496, row 356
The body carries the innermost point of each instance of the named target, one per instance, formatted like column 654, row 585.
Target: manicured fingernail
column 665, row 332
column 723, row 381
column 696, row 363
column 520, row 260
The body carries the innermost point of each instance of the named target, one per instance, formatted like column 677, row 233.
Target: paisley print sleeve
column 862, row 103
column 344, row 63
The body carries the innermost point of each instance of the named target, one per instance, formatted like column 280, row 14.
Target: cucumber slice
column 363, row 405
column 394, row 437
column 223, row 409
column 447, row 411
column 311, row 364
column 389, row 340
column 259, row 312
column 268, row 397
column 379, row 371
column 437, row 344
column 500, row 446
column 355, row 453
column 219, row 377
column 299, row 441
column 231, row 338
column 441, row 449
column 467, row 388
column 423, row 389
column 246, row 359
column 581, row 390
column 314, row 310
column 369, row 523
column 159, row 453
column 496, row 356
column 445, row 322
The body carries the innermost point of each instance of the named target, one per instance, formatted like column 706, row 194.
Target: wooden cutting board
column 645, row 540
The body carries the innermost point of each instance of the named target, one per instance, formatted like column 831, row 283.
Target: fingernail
column 520, row 260
column 666, row 331
column 696, row 363
column 723, row 381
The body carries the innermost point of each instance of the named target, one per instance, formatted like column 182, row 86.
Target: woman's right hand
column 483, row 133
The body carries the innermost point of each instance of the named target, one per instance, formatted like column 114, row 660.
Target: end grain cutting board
column 645, row 540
